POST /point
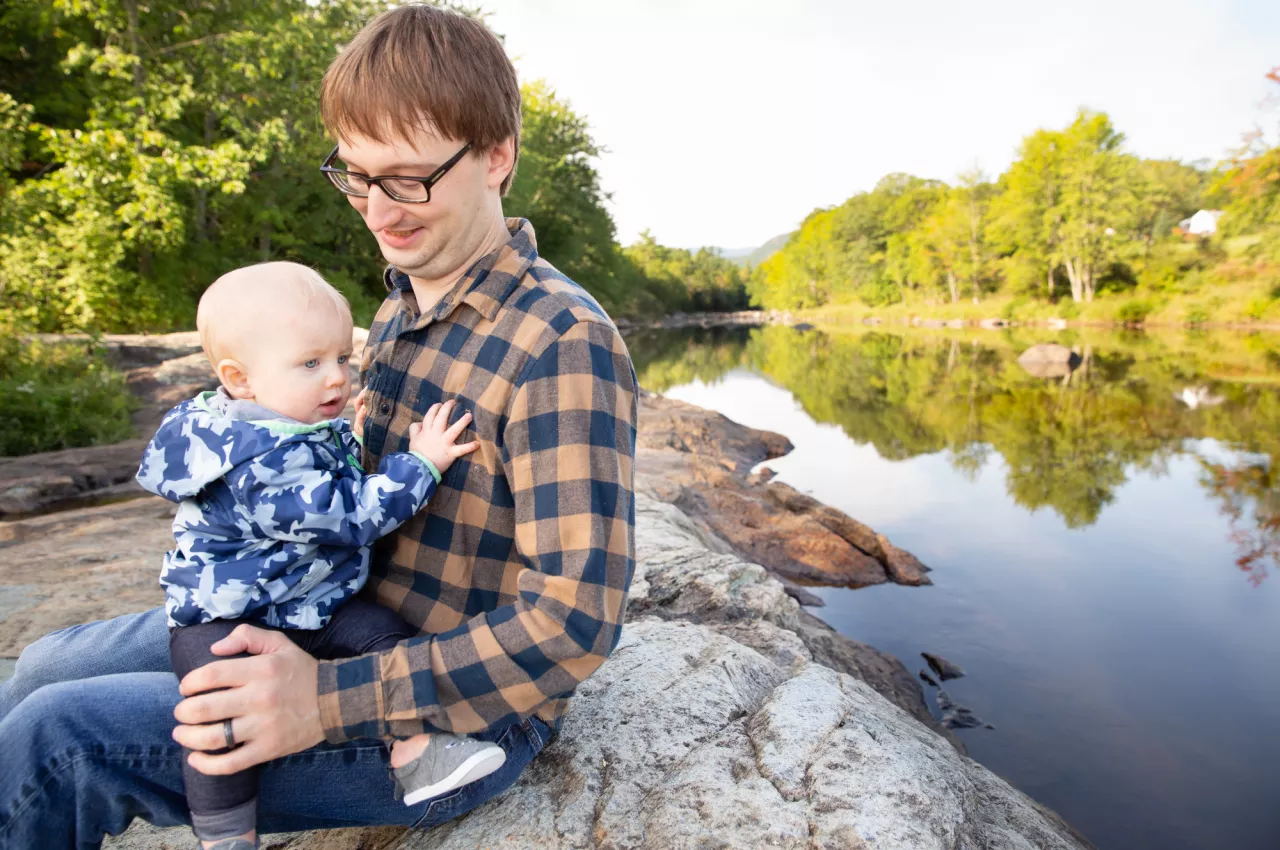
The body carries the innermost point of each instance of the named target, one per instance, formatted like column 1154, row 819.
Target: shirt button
column 385, row 409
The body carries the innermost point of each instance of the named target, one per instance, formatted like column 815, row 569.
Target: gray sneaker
column 231, row 844
column 448, row 762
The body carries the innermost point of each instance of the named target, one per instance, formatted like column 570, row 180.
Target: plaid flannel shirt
column 517, row 571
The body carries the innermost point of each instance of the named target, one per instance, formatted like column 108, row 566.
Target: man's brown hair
column 420, row 66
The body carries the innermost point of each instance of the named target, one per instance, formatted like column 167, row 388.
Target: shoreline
column 804, row 319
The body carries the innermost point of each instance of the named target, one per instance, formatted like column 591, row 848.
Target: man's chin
column 414, row 264
column 406, row 260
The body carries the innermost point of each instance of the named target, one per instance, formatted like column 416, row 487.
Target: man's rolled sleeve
column 568, row 449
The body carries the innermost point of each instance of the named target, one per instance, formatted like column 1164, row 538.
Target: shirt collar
column 489, row 281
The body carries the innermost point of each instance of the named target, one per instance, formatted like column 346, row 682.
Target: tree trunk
column 139, row 78
column 1077, row 285
column 951, row 357
column 264, row 241
column 951, row 284
column 1048, row 282
column 202, row 194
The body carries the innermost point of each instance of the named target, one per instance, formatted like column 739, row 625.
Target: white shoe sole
column 478, row 766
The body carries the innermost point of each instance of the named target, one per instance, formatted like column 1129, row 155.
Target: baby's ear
column 233, row 376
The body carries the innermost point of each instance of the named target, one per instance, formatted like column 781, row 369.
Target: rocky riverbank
column 737, row 319
column 728, row 716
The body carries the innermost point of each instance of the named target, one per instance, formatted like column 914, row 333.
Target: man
column 516, row 574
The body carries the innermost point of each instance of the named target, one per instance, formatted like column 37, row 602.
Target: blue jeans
column 85, row 733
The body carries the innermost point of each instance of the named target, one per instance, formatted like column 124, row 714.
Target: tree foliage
column 144, row 150
column 1074, row 214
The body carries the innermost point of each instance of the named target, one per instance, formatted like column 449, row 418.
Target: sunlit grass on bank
column 1251, row 300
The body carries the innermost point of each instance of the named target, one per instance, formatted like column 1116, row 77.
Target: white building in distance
column 1203, row 223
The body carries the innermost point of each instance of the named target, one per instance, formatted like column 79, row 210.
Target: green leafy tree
column 1025, row 224
column 1097, row 203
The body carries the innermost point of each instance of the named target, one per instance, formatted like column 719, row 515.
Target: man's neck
column 428, row 292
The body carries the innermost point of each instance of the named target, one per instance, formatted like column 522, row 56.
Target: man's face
column 426, row 241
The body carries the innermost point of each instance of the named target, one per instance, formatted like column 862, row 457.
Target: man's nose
column 381, row 211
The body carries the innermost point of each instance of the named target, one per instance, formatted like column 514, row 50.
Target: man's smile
column 400, row 238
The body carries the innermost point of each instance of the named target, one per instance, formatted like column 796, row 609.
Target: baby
column 276, row 517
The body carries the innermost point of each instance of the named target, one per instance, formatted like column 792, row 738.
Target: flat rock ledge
column 712, row 725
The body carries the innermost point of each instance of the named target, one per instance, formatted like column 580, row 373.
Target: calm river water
column 1105, row 545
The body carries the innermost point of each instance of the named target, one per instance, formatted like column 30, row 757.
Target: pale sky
column 727, row 121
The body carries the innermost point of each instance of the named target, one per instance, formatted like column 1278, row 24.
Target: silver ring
column 228, row 734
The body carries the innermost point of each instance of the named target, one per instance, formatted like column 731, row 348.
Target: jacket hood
column 203, row 439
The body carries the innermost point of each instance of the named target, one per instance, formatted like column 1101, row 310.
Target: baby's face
column 300, row 369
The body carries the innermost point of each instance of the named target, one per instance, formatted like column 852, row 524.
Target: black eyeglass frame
column 332, row 173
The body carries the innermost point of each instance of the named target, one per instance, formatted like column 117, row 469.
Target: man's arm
column 568, row 451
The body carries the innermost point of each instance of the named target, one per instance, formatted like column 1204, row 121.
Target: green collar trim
column 275, row 425
column 291, row 427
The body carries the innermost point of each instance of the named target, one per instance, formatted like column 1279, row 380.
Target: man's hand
column 362, row 410
column 271, row 699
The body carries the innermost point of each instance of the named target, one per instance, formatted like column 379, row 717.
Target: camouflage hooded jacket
column 275, row 518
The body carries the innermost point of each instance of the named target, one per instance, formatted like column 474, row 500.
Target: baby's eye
column 343, row 358
column 311, row 364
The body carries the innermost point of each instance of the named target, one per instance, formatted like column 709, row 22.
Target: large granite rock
column 739, row 752
column 79, row 566
column 712, row 725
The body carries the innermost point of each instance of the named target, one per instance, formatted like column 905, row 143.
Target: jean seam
column 532, row 731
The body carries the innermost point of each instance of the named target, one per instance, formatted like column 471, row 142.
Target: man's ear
column 501, row 159
column 233, row 376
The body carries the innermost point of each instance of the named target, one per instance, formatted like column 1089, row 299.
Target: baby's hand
column 435, row 437
column 357, row 425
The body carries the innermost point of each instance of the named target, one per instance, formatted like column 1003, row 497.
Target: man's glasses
column 406, row 190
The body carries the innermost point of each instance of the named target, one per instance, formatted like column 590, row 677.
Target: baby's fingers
column 429, row 419
column 455, row 430
column 463, row 449
column 442, row 417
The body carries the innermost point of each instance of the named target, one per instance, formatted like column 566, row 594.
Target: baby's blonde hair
column 235, row 306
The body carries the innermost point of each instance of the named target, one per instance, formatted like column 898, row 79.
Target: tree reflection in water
column 1249, row 495
column 1067, row 443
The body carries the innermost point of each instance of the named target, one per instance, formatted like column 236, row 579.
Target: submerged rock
column 1049, row 360
column 942, row 667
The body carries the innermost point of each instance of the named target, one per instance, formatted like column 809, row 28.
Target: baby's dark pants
column 226, row 806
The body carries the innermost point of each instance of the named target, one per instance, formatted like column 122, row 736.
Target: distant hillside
column 764, row 252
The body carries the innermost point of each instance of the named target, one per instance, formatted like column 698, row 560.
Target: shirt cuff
column 431, row 467
column 348, row 698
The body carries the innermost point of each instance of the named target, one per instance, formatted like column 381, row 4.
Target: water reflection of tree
column 664, row 359
column 1067, row 445
column 1249, row 495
